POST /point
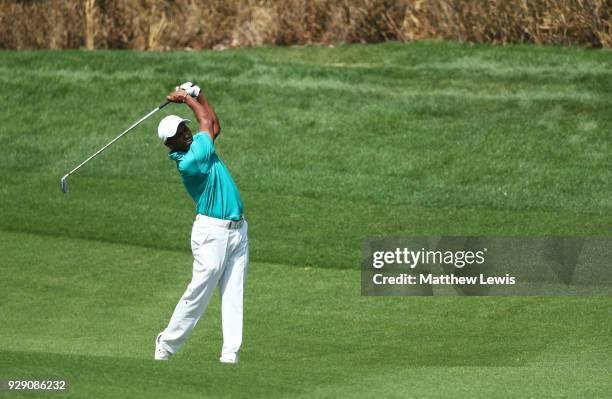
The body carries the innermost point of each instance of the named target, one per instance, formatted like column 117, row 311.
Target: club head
column 64, row 184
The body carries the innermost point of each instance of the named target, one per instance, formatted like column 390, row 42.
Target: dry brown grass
column 575, row 22
column 197, row 24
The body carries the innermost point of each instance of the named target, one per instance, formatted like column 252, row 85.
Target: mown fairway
column 327, row 145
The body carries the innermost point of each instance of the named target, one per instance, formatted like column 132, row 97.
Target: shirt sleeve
column 203, row 151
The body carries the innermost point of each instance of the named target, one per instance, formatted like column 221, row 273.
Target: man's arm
column 216, row 127
column 204, row 113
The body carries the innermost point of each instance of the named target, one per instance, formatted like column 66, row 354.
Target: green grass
column 327, row 145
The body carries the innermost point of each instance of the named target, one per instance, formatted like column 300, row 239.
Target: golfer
column 219, row 241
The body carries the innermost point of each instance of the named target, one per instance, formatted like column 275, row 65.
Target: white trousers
column 220, row 255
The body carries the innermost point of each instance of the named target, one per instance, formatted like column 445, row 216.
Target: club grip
column 163, row 105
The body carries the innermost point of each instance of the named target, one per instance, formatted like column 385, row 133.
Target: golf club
column 64, row 181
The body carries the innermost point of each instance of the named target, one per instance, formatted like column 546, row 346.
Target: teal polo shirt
column 207, row 179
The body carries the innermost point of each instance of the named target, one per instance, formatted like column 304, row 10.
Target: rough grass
column 327, row 146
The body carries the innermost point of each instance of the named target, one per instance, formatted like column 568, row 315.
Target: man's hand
column 190, row 88
column 178, row 96
column 190, row 94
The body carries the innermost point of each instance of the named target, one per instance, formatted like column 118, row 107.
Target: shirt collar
column 176, row 155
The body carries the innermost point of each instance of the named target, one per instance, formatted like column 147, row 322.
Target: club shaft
column 116, row 138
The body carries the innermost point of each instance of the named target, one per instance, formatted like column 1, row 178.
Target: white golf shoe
column 160, row 352
column 229, row 358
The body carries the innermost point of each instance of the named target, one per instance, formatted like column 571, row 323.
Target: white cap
column 168, row 126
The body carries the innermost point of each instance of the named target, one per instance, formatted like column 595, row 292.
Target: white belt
column 228, row 224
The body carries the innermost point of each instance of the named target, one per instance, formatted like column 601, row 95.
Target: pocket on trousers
column 198, row 239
